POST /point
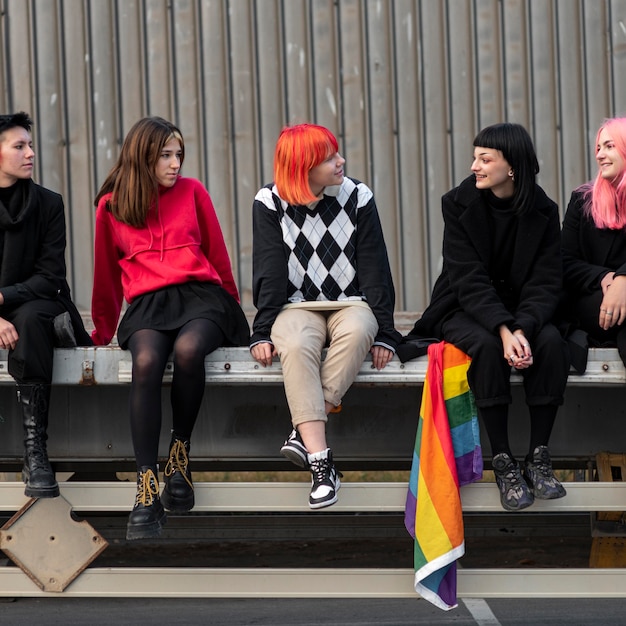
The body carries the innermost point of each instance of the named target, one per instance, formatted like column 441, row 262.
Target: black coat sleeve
column 43, row 263
column 582, row 271
column 542, row 287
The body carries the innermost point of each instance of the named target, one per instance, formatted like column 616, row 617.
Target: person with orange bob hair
column 321, row 279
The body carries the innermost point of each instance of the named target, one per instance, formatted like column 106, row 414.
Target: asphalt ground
column 305, row 612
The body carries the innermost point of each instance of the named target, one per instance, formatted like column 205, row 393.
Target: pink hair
column 605, row 200
column 299, row 149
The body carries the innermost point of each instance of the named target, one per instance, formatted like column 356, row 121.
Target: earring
column 512, row 175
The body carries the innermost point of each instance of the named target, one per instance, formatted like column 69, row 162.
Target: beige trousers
column 300, row 335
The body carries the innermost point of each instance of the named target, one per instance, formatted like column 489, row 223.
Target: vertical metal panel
column 596, row 69
column 435, row 127
column 405, row 84
column 462, row 100
column 411, row 218
column 356, row 141
column 76, row 141
column 324, row 64
column 382, row 123
column 271, row 115
column 121, row 67
column 245, row 130
column 617, row 51
column 298, row 60
column 187, row 75
column 545, row 118
column 571, row 95
column 18, row 56
column 158, row 70
column 489, row 60
column 516, row 79
column 214, row 99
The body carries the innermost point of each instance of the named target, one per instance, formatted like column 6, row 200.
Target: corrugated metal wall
column 405, row 84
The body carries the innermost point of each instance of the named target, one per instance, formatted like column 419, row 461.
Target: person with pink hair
column 320, row 279
column 593, row 243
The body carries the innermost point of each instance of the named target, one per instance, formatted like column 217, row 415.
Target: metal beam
column 133, row 582
column 293, row 497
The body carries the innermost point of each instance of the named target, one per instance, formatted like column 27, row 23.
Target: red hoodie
column 181, row 242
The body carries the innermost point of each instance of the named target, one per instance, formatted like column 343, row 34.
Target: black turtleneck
column 503, row 223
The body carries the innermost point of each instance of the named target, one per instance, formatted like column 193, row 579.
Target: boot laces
column 321, row 470
column 178, row 461
column 147, row 488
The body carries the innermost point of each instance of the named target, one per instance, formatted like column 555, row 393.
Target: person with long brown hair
column 159, row 246
column 321, row 278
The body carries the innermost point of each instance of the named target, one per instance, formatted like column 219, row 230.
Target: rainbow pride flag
column 447, row 455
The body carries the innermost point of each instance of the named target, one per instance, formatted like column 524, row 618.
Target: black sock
column 496, row 422
column 541, row 423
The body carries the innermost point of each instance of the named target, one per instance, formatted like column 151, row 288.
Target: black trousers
column 489, row 373
column 31, row 360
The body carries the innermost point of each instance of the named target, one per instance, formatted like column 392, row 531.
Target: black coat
column 535, row 280
column 589, row 252
column 32, row 263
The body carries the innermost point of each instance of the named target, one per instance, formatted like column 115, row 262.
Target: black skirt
column 170, row 308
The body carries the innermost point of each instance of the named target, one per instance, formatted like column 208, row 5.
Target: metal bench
column 241, row 425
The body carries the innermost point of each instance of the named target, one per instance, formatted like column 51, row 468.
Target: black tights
column 495, row 420
column 150, row 350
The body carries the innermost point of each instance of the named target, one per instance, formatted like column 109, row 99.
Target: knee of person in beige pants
column 352, row 331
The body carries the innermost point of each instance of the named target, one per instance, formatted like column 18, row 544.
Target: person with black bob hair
column 495, row 299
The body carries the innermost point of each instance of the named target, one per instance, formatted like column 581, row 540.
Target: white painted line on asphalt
column 481, row 612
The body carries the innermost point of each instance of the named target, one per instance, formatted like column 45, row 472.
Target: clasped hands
column 517, row 351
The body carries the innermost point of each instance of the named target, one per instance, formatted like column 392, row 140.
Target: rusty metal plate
column 46, row 541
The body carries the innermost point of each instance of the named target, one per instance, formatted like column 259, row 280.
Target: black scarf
column 13, row 234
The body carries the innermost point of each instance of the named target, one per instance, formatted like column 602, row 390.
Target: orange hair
column 299, row 149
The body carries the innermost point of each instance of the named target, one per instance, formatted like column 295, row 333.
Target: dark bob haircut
column 517, row 148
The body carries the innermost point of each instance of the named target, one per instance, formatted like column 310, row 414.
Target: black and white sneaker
column 294, row 450
column 325, row 481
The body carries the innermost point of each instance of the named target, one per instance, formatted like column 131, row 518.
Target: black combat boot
column 178, row 495
column 36, row 473
column 148, row 516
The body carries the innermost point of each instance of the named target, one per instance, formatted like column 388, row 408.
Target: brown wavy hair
column 132, row 180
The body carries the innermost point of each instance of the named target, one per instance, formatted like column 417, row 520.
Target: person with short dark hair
column 496, row 298
column 36, row 309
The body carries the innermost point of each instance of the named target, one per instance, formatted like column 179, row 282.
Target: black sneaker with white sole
column 325, row 481
column 294, row 450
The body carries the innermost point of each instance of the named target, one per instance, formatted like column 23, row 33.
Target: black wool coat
column 535, row 280
column 32, row 263
column 589, row 252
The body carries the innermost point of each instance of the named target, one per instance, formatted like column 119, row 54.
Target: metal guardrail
column 234, row 366
column 109, row 365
